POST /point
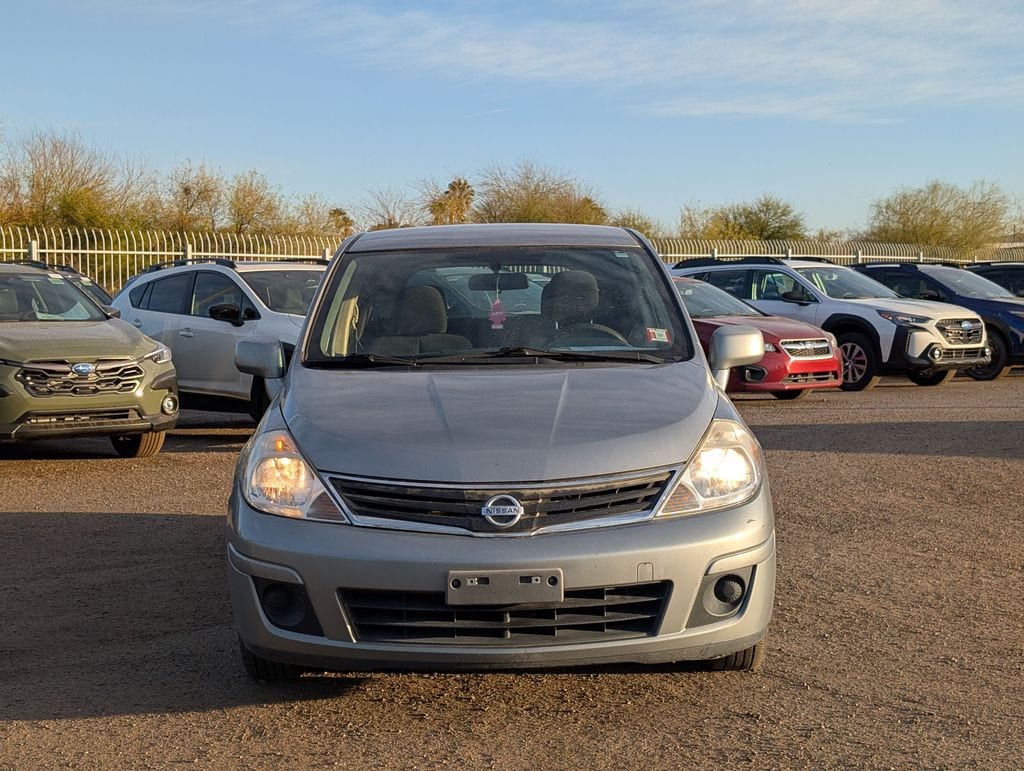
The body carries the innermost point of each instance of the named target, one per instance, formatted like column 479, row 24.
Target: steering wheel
column 587, row 331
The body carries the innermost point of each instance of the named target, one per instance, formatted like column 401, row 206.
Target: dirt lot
column 896, row 642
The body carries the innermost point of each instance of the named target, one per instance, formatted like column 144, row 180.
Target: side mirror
column 1019, row 292
column 226, row 312
column 797, row 296
column 260, row 355
column 112, row 313
column 734, row 347
column 928, row 294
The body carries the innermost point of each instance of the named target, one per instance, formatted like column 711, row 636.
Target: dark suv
column 1009, row 275
column 1002, row 312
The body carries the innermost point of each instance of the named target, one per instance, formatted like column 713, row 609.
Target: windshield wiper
column 364, row 360
column 521, row 352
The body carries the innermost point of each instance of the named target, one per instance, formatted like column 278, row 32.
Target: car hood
column 501, row 424
column 774, row 328
column 933, row 310
column 1002, row 305
column 72, row 340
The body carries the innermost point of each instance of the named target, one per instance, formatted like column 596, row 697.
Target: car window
column 965, row 283
column 42, row 297
column 773, row 284
column 284, row 291
column 168, row 294
column 704, row 301
column 1015, row 281
column 214, row 289
column 137, row 295
column 902, row 283
column 732, row 281
column 583, row 300
column 844, row 283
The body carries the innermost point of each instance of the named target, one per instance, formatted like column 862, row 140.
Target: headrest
column 8, row 300
column 420, row 312
column 569, row 296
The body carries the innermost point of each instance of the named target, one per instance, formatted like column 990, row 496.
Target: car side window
column 903, row 284
column 135, row 296
column 168, row 294
column 214, row 289
column 773, row 284
column 732, row 281
column 1015, row 281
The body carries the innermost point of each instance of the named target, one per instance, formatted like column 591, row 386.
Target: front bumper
column 914, row 348
column 780, row 372
column 327, row 560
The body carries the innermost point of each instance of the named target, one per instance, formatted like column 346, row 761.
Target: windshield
column 967, row 284
column 497, row 304
column 284, row 291
column 704, row 301
column 91, row 288
column 844, row 283
column 44, row 297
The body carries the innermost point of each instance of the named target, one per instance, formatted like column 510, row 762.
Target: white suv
column 201, row 308
column 879, row 332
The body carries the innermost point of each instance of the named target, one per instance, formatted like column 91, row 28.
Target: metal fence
column 111, row 257
column 841, row 252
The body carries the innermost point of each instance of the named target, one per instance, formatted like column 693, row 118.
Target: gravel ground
column 896, row 641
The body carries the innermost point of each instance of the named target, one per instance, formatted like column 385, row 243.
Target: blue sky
column 655, row 104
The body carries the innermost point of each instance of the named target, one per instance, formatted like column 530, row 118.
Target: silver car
column 545, row 474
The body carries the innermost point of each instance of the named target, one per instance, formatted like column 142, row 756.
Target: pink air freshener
column 497, row 315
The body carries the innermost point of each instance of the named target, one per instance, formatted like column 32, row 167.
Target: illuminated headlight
column 770, row 348
column 902, row 318
column 159, row 355
column 726, row 470
column 279, row 481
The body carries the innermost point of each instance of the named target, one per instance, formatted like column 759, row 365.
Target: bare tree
column 389, row 208
column 942, row 214
column 768, row 218
column 253, row 205
column 637, row 220
column 194, row 198
column 528, row 192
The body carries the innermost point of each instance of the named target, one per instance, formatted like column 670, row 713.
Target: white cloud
column 823, row 60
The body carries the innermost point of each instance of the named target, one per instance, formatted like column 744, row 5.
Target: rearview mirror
column 260, row 355
column 498, row 281
column 734, row 347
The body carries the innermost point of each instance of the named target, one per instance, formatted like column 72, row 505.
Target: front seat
column 420, row 325
column 567, row 308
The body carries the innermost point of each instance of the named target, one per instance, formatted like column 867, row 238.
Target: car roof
column 504, row 234
column 244, row 267
column 13, row 267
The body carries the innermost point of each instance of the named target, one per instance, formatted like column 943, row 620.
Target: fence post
column 186, row 253
column 920, row 256
column 714, row 253
column 327, row 253
column 789, row 253
column 860, row 257
column 33, row 250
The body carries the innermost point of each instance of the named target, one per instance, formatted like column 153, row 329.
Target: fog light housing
column 936, row 353
column 287, row 606
column 169, row 405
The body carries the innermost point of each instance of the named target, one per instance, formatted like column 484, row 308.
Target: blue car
column 1002, row 312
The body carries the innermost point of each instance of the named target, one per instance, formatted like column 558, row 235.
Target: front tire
column 860, row 362
column 927, row 378
column 138, row 445
column 791, row 396
column 1000, row 364
column 747, row 660
column 263, row 670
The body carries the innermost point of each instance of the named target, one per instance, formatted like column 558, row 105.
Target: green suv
column 69, row 367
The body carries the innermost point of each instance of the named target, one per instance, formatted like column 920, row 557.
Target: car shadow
column 114, row 614
column 954, row 439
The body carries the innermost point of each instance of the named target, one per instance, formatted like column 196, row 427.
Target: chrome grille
column 56, row 378
column 812, row 377
column 61, row 421
column 817, row 348
column 544, row 506
column 958, row 354
column 584, row 615
column 961, row 331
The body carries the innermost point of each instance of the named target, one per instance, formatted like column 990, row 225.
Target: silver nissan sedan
column 499, row 446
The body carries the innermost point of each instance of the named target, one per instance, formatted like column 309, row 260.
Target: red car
column 798, row 357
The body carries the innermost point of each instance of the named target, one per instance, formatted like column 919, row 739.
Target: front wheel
column 932, row 378
column 748, row 659
column 263, row 670
column 138, row 445
column 1000, row 363
column 791, row 396
column 860, row 362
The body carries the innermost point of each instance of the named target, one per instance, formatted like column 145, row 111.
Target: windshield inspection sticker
column 657, row 335
column 497, row 315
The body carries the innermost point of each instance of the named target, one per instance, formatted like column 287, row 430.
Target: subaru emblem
column 502, row 510
column 84, row 369
column 966, row 325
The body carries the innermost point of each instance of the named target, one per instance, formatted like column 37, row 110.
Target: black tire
column 262, row 670
column 746, row 660
column 860, row 362
column 138, row 445
column 1000, row 364
column 792, row 396
column 258, row 400
column 932, row 378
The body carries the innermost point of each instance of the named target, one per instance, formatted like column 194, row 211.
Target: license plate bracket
column 504, row 587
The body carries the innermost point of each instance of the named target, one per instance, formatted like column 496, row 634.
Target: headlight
column 279, row 481
column 726, row 470
column 902, row 318
column 159, row 355
column 832, row 340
